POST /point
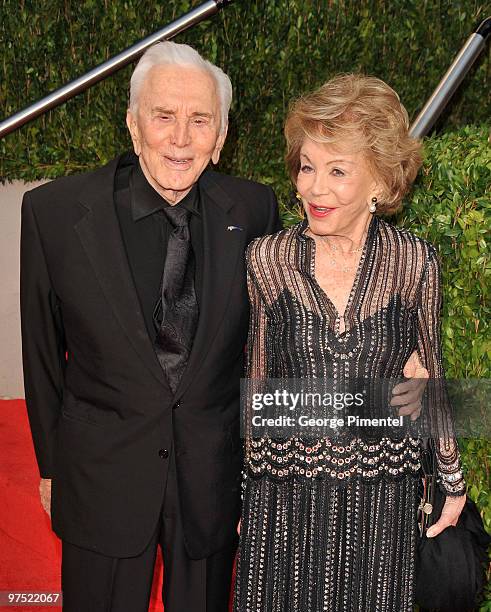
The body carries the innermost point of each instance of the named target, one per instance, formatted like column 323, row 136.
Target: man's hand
column 450, row 515
column 45, row 493
column 409, row 393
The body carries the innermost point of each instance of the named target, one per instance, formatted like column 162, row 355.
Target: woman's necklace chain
column 332, row 249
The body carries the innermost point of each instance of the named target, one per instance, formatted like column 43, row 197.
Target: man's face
column 175, row 129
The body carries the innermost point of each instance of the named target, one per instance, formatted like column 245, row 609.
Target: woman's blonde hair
column 364, row 115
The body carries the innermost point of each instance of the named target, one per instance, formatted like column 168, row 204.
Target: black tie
column 176, row 314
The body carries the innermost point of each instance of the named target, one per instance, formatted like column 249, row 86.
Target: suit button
column 163, row 453
column 176, row 405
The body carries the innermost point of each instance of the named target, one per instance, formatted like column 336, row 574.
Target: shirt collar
column 146, row 201
column 300, row 228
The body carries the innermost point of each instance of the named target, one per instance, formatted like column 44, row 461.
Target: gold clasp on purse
column 425, row 507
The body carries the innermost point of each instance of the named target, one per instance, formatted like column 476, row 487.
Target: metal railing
column 107, row 68
column 451, row 80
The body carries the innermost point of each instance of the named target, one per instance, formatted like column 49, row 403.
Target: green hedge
column 272, row 49
column 451, row 207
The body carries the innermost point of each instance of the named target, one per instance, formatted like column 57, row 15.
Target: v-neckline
column 361, row 270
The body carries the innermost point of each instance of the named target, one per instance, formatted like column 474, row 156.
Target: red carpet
column 29, row 551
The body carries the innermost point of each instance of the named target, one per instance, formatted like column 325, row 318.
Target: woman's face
column 336, row 188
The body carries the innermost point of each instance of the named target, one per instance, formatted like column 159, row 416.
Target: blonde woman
column 341, row 295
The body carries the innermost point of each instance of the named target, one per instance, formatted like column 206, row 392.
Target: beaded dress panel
column 329, row 526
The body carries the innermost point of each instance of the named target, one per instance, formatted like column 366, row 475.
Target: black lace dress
column 325, row 526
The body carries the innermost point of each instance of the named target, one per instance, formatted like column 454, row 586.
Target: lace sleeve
column 256, row 365
column 256, row 351
column 436, row 406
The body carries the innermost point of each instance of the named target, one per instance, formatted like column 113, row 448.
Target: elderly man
column 134, row 320
column 134, row 323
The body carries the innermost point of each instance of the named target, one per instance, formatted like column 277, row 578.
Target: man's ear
column 132, row 124
column 219, row 146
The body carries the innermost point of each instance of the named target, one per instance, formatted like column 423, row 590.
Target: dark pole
column 107, row 68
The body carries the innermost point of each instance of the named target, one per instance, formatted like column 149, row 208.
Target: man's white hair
column 163, row 53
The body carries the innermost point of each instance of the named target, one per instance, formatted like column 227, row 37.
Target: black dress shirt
column 146, row 229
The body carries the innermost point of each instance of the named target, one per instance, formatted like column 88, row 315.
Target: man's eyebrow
column 161, row 109
column 202, row 114
column 168, row 111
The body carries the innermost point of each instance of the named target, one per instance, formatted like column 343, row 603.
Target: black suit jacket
column 100, row 409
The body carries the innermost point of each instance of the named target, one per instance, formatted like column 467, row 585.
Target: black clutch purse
column 451, row 567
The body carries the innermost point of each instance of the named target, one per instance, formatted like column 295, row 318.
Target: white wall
column 11, row 381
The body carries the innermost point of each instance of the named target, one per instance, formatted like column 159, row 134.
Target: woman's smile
column 320, row 211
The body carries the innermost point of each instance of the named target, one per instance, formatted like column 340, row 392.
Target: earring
column 298, row 196
column 373, row 206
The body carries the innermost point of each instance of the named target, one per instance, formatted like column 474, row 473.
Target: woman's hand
column 238, row 527
column 450, row 515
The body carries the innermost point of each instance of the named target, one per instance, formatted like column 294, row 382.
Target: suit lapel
column 101, row 239
column 222, row 252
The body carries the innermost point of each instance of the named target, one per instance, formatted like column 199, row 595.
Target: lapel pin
column 232, row 228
